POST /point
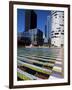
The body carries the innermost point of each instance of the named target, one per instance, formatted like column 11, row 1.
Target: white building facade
column 57, row 28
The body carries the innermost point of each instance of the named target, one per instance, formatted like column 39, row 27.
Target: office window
column 56, row 33
column 52, row 31
column 55, row 14
column 59, row 16
column 59, row 30
column 51, row 34
column 61, row 24
column 62, row 33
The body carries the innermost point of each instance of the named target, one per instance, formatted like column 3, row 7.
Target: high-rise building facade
column 45, row 30
column 36, row 36
column 30, row 20
column 45, row 35
column 57, row 28
column 48, row 27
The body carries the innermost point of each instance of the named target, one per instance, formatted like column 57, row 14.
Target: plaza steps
column 41, row 66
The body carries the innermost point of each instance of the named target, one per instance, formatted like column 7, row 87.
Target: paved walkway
column 40, row 63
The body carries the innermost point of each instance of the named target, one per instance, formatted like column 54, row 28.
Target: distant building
column 45, row 36
column 45, row 30
column 30, row 20
column 36, row 36
column 19, row 35
column 32, row 36
column 24, row 39
column 48, row 27
column 57, row 29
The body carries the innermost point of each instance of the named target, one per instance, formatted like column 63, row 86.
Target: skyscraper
column 30, row 20
column 45, row 30
column 48, row 27
column 57, row 30
column 45, row 36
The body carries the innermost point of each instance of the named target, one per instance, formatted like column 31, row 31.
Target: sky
column 41, row 19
